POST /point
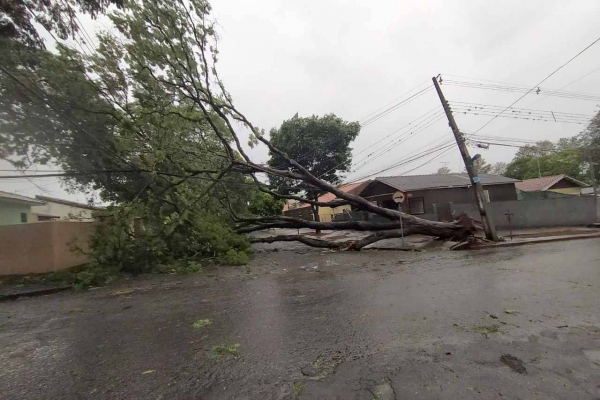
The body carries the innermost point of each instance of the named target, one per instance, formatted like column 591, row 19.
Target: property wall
column 10, row 213
column 566, row 211
column 42, row 247
column 64, row 211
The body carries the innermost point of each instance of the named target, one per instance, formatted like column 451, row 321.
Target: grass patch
column 201, row 323
column 77, row 277
column 91, row 274
column 224, row 350
column 486, row 329
column 297, row 388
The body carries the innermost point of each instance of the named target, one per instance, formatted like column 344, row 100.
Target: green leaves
column 264, row 204
column 320, row 144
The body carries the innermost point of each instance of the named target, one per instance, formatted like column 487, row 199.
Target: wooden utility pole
column 488, row 224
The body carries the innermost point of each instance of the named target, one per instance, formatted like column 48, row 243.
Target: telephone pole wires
column 488, row 223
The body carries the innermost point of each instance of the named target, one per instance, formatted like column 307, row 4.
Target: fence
column 567, row 211
column 534, row 213
column 42, row 247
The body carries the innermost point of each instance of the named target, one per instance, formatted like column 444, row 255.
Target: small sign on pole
column 399, row 198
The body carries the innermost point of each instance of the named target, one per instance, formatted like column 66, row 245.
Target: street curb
column 33, row 293
column 524, row 243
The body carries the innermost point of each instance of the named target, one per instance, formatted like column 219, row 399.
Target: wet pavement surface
column 515, row 323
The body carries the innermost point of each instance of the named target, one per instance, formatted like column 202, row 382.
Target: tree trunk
column 315, row 211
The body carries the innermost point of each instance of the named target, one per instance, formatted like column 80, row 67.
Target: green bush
column 172, row 244
column 235, row 257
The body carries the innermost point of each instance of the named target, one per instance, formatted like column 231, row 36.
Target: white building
column 59, row 209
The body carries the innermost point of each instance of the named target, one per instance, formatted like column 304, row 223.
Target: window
column 416, row 205
column 23, row 217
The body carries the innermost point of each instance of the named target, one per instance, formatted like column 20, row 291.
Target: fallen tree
column 166, row 118
column 181, row 62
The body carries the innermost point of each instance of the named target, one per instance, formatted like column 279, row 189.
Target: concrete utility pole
column 593, row 178
column 488, row 224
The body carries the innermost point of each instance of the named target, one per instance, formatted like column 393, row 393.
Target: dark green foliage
column 516, row 168
column 163, row 166
column 565, row 162
column 545, row 159
column 320, row 144
column 263, row 204
column 57, row 16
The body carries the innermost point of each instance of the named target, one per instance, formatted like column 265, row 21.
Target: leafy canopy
column 320, row 144
column 121, row 111
column 18, row 18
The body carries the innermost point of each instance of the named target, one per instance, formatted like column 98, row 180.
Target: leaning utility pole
column 488, row 224
column 593, row 178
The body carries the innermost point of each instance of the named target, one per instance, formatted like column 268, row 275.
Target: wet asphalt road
column 512, row 323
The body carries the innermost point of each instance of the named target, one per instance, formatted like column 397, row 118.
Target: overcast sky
column 353, row 57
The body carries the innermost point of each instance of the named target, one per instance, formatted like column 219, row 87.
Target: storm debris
column 514, row 363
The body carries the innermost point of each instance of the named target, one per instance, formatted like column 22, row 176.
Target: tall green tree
column 18, row 18
column 321, row 144
column 589, row 142
column 517, row 167
column 146, row 151
column 565, row 162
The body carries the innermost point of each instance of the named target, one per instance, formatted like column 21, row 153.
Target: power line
column 520, row 113
column 392, row 145
column 396, row 106
column 397, row 130
column 364, row 124
column 407, row 160
column 402, row 95
column 524, row 89
column 424, row 123
column 429, row 161
column 538, row 84
column 568, row 84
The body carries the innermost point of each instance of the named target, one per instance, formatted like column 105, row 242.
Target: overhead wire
column 396, row 106
column 426, row 81
column 567, row 85
column 414, row 129
column 538, row 84
column 368, row 121
column 524, row 89
column 520, row 113
column 406, row 160
column 395, row 143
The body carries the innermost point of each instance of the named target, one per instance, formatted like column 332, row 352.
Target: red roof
column 545, row 183
column 346, row 188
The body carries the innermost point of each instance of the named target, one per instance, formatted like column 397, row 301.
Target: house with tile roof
column 425, row 194
column 302, row 210
column 562, row 184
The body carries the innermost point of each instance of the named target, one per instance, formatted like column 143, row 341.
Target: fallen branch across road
column 455, row 230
